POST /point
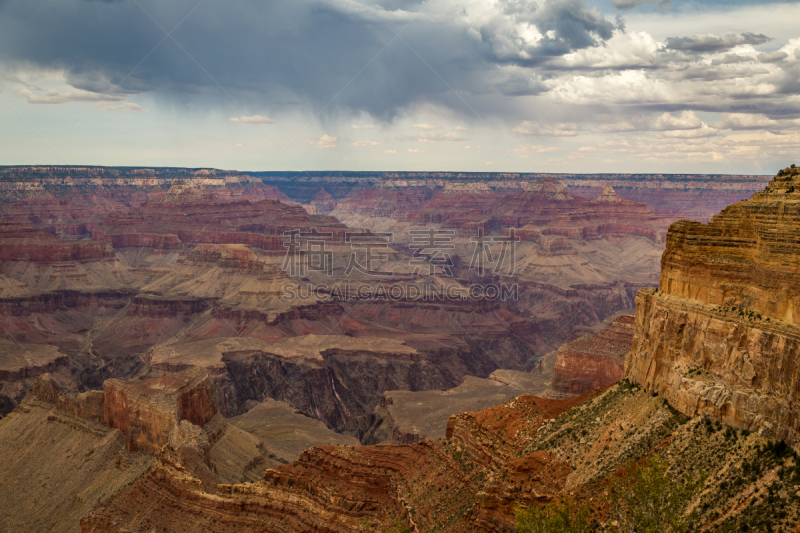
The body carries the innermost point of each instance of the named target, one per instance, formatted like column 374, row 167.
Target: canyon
column 221, row 387
column 114, row 268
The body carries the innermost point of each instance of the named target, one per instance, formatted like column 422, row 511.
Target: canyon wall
column 148, row 411
column 721, row 337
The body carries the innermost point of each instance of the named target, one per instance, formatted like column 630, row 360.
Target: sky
column 653, row 86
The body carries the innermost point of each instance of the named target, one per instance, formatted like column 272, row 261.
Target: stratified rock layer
column 748, row 256
column 594, row 361
column 147, row 411
column 721, row 337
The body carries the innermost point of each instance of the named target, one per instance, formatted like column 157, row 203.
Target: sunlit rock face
column 721, row 337
column 148, row 411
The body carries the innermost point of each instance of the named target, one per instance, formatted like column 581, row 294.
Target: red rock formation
column 147, row 411
column 182, row 217
column 471, row 482
column 594, row 361
column 73, row 201
column 21, row 243
column 543, row 205
column 323, row 202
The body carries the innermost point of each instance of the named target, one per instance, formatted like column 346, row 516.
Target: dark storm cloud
column 566, row 25
column 293, row 50
column 714, row 43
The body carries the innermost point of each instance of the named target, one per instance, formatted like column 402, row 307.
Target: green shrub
column 556, row 517
column 649, row 500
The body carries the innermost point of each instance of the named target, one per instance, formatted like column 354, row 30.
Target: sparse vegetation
column 646, row 499
column 556, row 517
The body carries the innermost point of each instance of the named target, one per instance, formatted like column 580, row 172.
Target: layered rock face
column 748, row 256
column 185, row 215
column 22, row 243
column 323, row 202
column 148, row 411
column 544, row 204
column 694, row 196
column 721, row 337
column 594, row 361
column 71, row 202
column 526, row 452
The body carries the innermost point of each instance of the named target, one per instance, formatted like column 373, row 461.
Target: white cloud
column 326, row 141
column 415, row 151
column 53, row 96
column 426, row 127
column 533, row 148
column 122, row 106
column 430, row 138
column 468, row 147
column 462, row 128
column 365, row 143
column 564, row 129
column 694, row 133
column 253, row 119
column 666, row 122
column 363, row 126
column 746, row 121
column 390, row 151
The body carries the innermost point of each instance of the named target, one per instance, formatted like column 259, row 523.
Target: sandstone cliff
column 148, row 411
column 721, row 337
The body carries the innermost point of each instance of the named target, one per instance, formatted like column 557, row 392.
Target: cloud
column 747, row 121
column 365, row 143
column 253, row 119
column 703, row 130
column 508, row 60
column 426, row 127
column 53, row 96
column 663, row 5
column 531, row 34
column 467, row 147
column 528, row 127
column 416, row 151
column 325, row 46
column 687, row 120
column 326, row 141
column 124, row 105
column 532, row 148
column 390, row 151
column 703, row 43
column 522, row 85
column 461, row 128
column 772, row 57
column 431, row 138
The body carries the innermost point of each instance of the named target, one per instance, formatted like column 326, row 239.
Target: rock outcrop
column 526, row 452
column 21, row 243
column 323, row 202
column 148, row 411
column 184, row 216
column 721, row 337
column 594, row 361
